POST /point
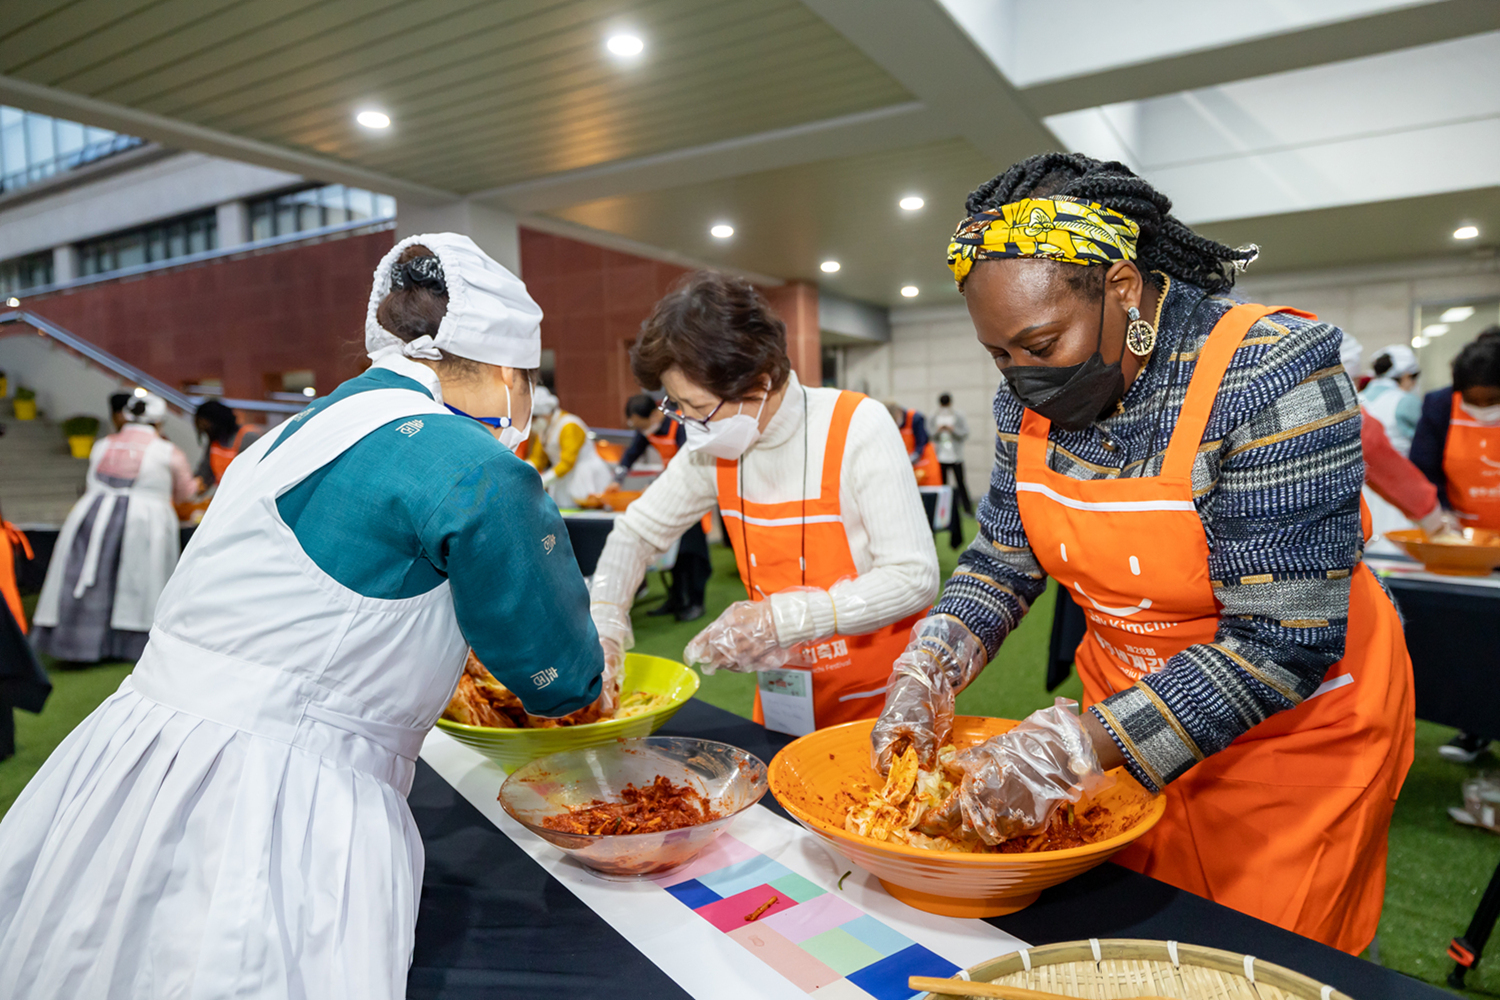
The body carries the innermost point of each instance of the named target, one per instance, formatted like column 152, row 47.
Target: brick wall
column 237, row 319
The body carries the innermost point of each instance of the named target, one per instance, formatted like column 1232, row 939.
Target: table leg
column 1466, row 950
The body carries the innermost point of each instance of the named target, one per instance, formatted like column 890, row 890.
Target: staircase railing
column 130, row 373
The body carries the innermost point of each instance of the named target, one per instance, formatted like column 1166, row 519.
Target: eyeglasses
column 673, row 411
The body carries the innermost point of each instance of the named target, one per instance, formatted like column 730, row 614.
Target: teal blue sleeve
column 1408, row 412
column 519, row 596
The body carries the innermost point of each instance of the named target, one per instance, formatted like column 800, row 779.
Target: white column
column 495, row 230
column 64, row 263
column 234, row 224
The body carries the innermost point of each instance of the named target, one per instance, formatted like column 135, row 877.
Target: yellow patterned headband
column 1053, row 229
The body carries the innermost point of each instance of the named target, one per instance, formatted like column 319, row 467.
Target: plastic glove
column 940, row 661
column 614, row 666
column 1014, row 782
column 548, row 478
column 612, row 622
column 1441, row 525
column 621, row 471
column 742, row 639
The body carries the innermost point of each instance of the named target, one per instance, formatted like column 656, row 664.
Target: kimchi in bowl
column 727, row 779
column 815, row 778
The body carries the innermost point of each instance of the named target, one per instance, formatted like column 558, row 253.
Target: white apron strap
column 89, row 574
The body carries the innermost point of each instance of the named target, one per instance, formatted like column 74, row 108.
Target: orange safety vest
column 219, row 456
column 11, row 536
column 1289, row 822
column 929, row 472
column 769, row 541
column 665, row 444
column 1471, row 463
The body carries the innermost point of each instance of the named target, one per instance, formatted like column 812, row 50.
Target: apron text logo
column 544, row 677
column 410, row 427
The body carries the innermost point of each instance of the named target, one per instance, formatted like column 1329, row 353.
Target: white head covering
column 490, row 318
column 1403, row 361
column 543, row 403
column 147, row 409
column 1349, row 354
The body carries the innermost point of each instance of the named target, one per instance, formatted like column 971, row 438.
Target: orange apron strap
column 1208, row 375
column 838, row 436
column 17, row 537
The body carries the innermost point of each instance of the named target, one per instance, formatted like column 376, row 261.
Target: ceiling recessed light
column 1434, row 329
column 625, row 45
column 1419, row 341
column 13, row 302
column 912, row 202
column 829, row 266
column 373, row 119
column 722, row 231
column 309, row 392
column 1465, row 232
column 1457, row 314
column 140, row 393
column 910, row 291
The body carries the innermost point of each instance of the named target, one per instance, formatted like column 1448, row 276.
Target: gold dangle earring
column 1140, row 335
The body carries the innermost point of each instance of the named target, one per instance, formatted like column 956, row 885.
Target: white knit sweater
column 889, row 535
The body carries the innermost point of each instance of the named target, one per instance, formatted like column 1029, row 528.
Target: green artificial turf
column 1437, row 869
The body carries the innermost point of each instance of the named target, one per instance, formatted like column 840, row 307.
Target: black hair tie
column 420, row 272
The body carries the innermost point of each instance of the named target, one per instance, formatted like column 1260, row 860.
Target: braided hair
column 1165, row 244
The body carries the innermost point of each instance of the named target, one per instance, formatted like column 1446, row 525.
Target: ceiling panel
column 481, row 94
column 788, row 221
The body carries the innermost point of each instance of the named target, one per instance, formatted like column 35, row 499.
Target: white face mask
column 511, row 436
column 728, row 438
column 1488, row 415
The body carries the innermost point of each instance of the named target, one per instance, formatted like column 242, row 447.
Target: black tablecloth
column 493, row 924
column 30, row 573
column 588, row 535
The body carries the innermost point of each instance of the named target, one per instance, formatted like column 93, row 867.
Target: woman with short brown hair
column 818, row 500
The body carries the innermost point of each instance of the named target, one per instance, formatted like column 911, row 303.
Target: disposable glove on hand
column 1441, row 525
column 614, row 666
column 1014, row 782
column 742, row 639
column 940, row 661
column 548, row 478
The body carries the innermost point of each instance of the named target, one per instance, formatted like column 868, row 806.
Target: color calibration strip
column 815, row 939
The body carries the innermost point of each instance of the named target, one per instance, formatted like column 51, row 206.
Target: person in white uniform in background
column 1391, row 396
column 817, row 496
column 118, row 545
column 233, row 821
column 563, row 449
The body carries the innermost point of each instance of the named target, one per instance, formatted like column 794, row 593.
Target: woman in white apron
column 118, row 545
column 233, row 821
column 573, row 468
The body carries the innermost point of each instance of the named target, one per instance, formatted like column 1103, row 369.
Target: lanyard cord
column 739, row 468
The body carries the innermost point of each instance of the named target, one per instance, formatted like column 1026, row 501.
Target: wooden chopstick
column 964, row 988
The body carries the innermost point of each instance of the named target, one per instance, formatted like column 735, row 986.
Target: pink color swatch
column 794, row 964
column 729, row 913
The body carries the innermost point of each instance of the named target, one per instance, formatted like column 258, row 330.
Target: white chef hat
column 1349, row 354
column 490, row 318
column 543, row 402
column 147, row 408
column 1403, row 360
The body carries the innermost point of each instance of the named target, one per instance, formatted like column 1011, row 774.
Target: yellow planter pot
column 4, row 386
column 81, row 444
column 25, row 409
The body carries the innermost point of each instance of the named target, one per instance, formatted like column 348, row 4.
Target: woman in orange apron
column 227, row 437
column 817, row 497
column 1198, row 495
column 919, row 446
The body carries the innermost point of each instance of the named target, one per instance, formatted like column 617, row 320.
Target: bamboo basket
column 1121, row 968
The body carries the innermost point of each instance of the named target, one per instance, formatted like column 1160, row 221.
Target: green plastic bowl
column 510, row 748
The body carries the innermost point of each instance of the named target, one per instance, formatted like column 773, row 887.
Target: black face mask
column 1075, row 396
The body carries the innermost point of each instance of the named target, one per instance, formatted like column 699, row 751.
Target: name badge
column 786, row 701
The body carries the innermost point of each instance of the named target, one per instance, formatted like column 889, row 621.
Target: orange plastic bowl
column 1479, row 557
column 812, row 778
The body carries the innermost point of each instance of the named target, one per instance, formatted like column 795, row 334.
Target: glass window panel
column 260, row 221
column 177, row 240
column 197, row 238
column 69, row 141
column 156, row 244
column 39, row 145
column 9, row 115
column 13, row 140
column 130, row 250
column 385, row 206
column 286, row 218
column 308, row 217
column 361, row 204
column 211, row 230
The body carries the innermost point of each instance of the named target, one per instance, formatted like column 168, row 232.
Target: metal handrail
column 129, row 372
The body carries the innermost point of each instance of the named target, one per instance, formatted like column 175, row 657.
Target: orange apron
column 769, row 539
column 11, row 536
column 929, row 472
column 1289, row 822
column 1471, row 463
column 219, row 456
column 665, row 444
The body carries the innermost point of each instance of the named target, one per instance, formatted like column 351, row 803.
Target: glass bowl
column 731, row 779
